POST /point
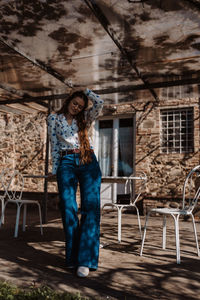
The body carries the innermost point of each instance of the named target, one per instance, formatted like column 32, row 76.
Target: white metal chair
column 191, row 193
column 133, row 190
column 13, row 194
column 6, row 177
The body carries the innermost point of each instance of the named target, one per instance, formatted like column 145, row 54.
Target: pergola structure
column 115, row 47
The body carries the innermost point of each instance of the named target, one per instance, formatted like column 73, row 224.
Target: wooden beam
column 12, row 90
column 8, row 109
column 35, row 99
column 37, row 106
column 122, row 89
column 21, row 93
column 48, row 69
column 108, row 28
column 23, row 108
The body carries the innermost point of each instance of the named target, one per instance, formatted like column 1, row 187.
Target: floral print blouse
column 64, row 136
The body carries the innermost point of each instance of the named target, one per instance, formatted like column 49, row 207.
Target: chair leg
column 24, row 217
column 139, row 223
column 195, row 234
column 40, row 215
column 164, row 232
column 2, row 210
column 144, row 234
column 17, row 221
column 2, row 219
column 176, row 224
column 119, row 208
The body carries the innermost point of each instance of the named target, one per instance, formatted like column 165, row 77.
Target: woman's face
column 75, row 106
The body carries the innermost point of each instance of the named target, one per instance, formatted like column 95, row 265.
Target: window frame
column 116, row 128
column 178, row 124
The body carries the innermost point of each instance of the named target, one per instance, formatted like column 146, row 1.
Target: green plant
column 10, row 292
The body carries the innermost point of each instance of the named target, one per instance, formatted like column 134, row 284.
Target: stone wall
column 22, row 147
column 166, row 172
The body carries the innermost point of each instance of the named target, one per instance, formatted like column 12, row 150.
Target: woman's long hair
column 85, row 152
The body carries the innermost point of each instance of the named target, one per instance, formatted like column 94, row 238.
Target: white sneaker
column 82, row 271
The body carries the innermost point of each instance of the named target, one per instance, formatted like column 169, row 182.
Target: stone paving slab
column 32, row 259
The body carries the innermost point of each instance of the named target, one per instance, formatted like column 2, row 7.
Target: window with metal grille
column 177, row 134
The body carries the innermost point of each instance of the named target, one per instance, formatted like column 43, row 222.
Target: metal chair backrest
column 136, row 186
column 191, row 189
column 16, row 187
column 6, row 177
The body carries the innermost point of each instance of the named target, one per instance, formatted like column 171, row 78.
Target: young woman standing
column 74, row 162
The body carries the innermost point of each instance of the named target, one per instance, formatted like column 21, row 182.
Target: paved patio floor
column 32, row 259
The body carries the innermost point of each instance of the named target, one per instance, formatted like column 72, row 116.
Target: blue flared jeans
column 81, row 235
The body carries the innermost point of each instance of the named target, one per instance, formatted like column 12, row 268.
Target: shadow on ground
column 32, row 259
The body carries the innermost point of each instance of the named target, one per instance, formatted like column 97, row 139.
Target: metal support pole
column 45, row 199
